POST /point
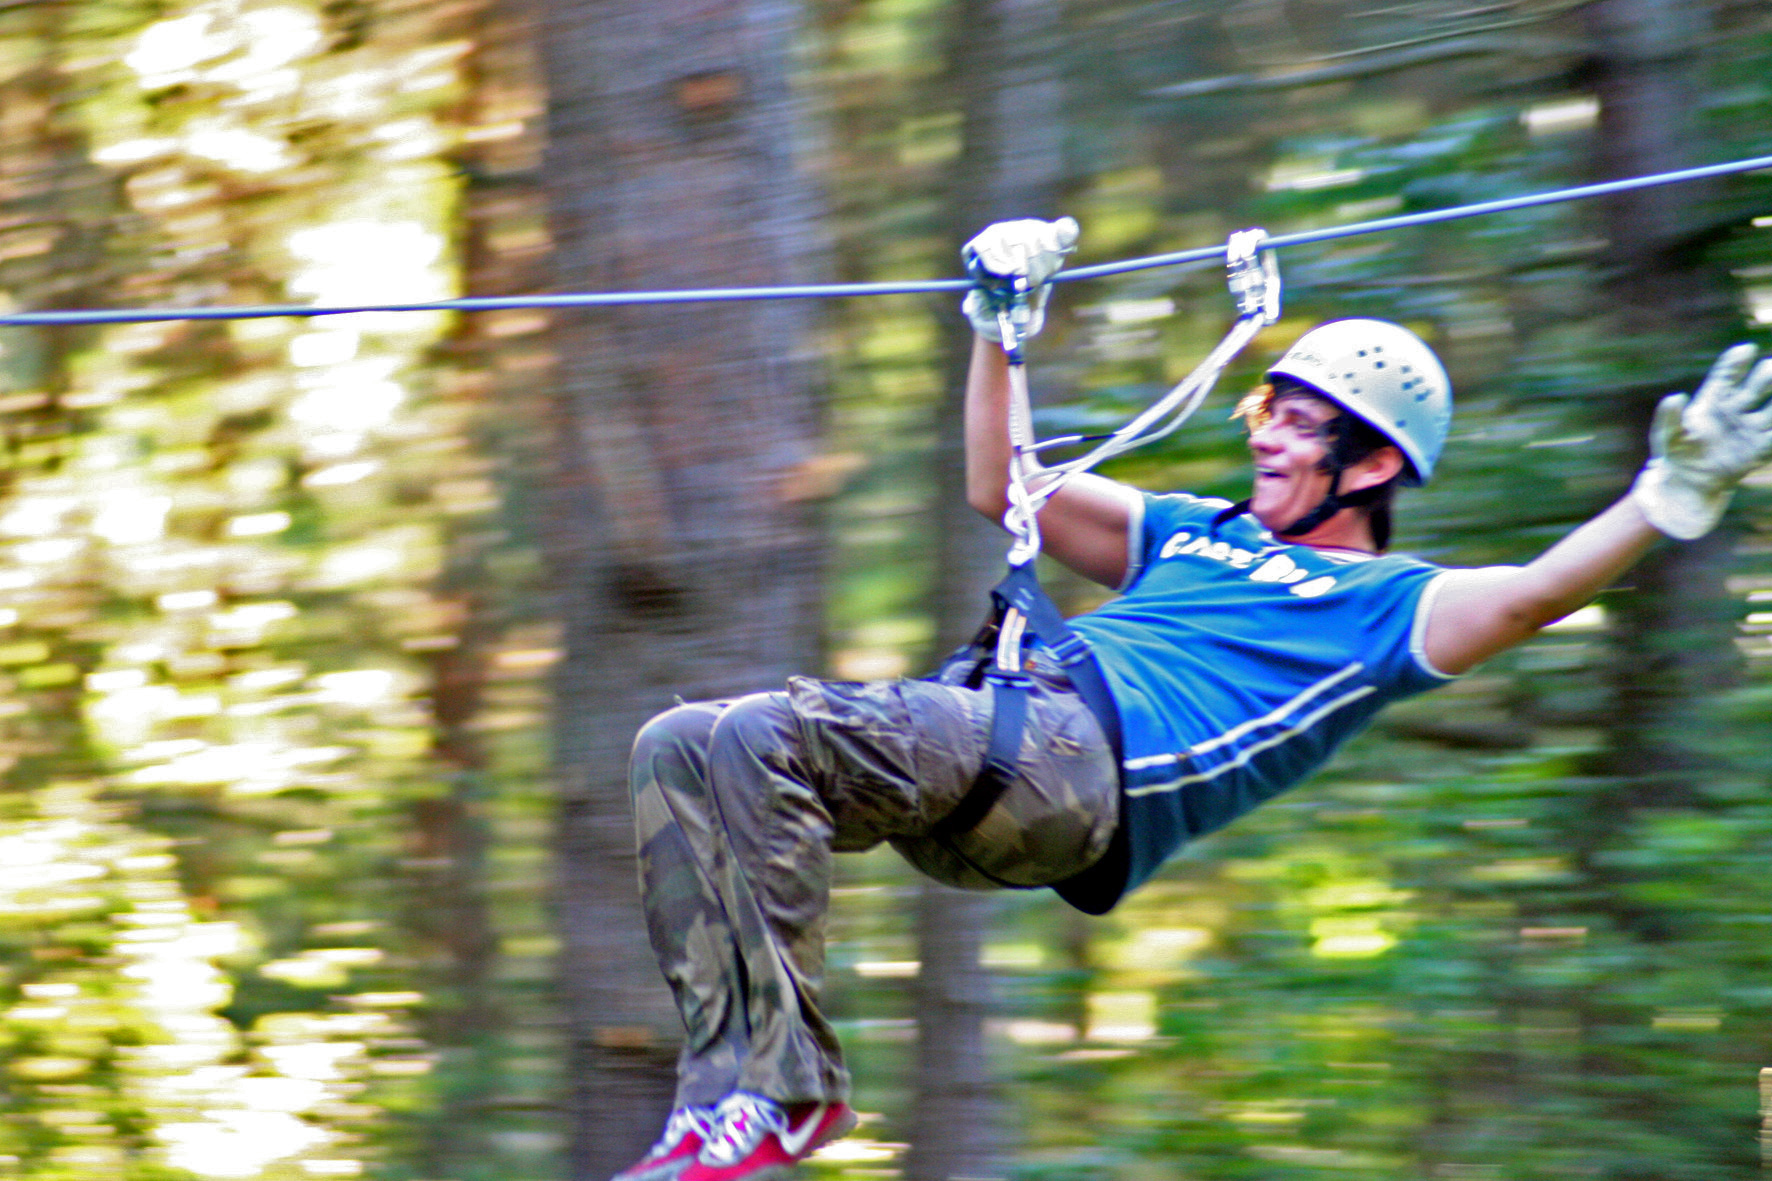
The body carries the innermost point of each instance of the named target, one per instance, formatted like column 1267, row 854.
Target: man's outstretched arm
column 1480, row 613
column 1700, row 449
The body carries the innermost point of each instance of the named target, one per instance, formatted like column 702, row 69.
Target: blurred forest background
column 322, row 640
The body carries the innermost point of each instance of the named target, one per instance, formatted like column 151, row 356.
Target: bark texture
column 1670, row 311
column 684, row 528
column 1003, row 68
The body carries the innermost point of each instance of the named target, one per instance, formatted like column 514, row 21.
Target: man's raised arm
column 1085, row 524
column 1700, row 448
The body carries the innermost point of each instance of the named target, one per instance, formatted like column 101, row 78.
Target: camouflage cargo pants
column 740, row 804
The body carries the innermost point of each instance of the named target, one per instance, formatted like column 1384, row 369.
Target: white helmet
column 1383, row 373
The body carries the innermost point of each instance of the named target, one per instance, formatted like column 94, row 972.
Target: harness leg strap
column 1009, row 707
column 1019, row 597
column 1021, row 590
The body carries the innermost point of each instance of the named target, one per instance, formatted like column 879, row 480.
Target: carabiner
column 1010, row 331
column 1254, row 274
column 1008, row 297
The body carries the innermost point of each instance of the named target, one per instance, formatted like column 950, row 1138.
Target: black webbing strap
column 1021, row 605
column 1009, row 710
column 1022, row 591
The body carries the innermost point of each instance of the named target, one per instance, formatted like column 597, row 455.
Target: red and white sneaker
column 685, row 1133
column 755, row 1139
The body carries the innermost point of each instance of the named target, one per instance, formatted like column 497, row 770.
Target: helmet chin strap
column 1332, row 503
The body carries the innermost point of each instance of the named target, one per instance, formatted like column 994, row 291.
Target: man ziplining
column 1247, row 643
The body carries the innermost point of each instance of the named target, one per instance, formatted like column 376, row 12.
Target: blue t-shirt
column 1239, row 663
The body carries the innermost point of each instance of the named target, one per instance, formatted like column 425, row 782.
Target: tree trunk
column 1668, row 312
column 683, row 532
column 1001, row 66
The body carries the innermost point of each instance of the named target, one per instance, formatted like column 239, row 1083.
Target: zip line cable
column 1429, row 217
column 842, row 290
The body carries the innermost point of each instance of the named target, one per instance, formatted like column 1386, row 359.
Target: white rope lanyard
column 1254, row 278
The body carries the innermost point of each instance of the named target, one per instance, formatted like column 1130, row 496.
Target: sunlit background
column 228, row 599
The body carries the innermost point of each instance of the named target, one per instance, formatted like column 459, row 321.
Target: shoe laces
column 683, row 1121
column 741, row 1122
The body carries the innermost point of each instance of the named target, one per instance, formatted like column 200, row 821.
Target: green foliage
column 247, row 890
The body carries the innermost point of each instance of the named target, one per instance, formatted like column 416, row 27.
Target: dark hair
column 1352, row 439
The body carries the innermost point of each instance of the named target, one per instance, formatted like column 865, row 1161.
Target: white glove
column 1028, row 248
column 1702, row 446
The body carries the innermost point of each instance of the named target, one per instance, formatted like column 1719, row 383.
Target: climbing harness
column 1022, row 614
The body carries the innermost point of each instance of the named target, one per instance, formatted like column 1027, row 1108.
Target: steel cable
column 845, row 290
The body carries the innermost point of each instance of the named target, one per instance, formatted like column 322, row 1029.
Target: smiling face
column 1289, row 447
column 1293, row 433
